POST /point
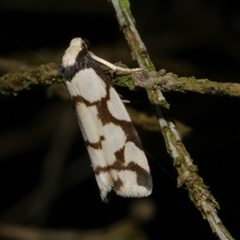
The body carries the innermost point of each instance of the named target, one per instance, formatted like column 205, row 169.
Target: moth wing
column 117, row 157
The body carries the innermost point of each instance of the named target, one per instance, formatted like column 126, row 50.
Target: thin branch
column 45, row 75
column 198, row 191
column 171, row 82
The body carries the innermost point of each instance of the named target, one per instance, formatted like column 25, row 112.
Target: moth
column 115, row 150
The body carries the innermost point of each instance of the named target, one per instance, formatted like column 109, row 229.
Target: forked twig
column 198, row 191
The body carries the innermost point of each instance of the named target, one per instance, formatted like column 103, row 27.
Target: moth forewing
column 116, row 152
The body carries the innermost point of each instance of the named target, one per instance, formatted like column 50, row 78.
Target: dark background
column 45, row 172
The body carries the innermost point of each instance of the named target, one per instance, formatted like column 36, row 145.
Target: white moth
column 116, row 152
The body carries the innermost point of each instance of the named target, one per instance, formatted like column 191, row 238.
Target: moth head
column 77, row 48
column 80, row 43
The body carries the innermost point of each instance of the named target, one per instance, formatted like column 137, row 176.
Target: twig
column 198, row 191
column 13, row 83
column 46, row 75
column 171, row 82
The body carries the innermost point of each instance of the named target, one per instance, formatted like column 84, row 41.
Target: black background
column 189, row 38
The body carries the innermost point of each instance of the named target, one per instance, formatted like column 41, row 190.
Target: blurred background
column 48, row 189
